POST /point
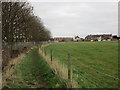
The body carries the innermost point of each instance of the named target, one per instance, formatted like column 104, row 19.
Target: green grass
column 94, row 64
column 33, row 69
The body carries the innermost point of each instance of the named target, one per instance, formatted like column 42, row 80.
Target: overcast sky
column 78, row 18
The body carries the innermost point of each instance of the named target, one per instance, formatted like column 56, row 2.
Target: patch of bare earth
column 40, row 84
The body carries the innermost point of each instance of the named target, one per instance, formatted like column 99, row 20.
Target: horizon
column 86, row 35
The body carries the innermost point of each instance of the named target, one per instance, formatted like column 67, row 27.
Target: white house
column 100, row 38
column 76, row 38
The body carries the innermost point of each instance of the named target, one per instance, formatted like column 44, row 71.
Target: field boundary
column 57, row 67
column 108, row 76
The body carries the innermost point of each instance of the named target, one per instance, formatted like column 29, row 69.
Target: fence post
column 69, row 70
column 51, row 56
column 44, row 51
column 41, row 49
column 40, row 46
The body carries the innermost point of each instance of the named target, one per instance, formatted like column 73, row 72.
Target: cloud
column 71, row 18
column 73, row 0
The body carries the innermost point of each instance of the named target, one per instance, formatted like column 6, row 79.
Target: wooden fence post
column 69, row 70
column 40, row 46
column 41, row 49
column 44, row 51
column 51, row 56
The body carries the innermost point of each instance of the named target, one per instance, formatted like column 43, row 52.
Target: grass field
column 34, row 72
column 94, row 64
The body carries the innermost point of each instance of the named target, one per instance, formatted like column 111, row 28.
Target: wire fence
column 93, row 77
column 77, row 76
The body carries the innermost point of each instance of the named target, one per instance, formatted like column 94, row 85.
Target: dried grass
column 8, row 70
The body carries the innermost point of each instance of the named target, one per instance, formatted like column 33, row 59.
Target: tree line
column 19, row 24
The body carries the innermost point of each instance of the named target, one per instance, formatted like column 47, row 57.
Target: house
column 115, row 38
column 100, row 37
column 76, row 38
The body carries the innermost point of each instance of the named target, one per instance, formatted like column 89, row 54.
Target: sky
column 68, row 19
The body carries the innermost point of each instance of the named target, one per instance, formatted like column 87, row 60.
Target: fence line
column 89, row 75
column 70, row 70
column 69, row 73
column 58, row 68
column 97, row 70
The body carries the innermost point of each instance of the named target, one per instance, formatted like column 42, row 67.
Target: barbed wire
column 96, row 69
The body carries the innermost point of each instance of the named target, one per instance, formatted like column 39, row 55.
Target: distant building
column 76, row 38
column 100, row 37
column 115, row 37
column 118, row 38
column 62, row 39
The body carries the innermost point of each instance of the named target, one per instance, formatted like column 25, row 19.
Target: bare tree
column 19, row 24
